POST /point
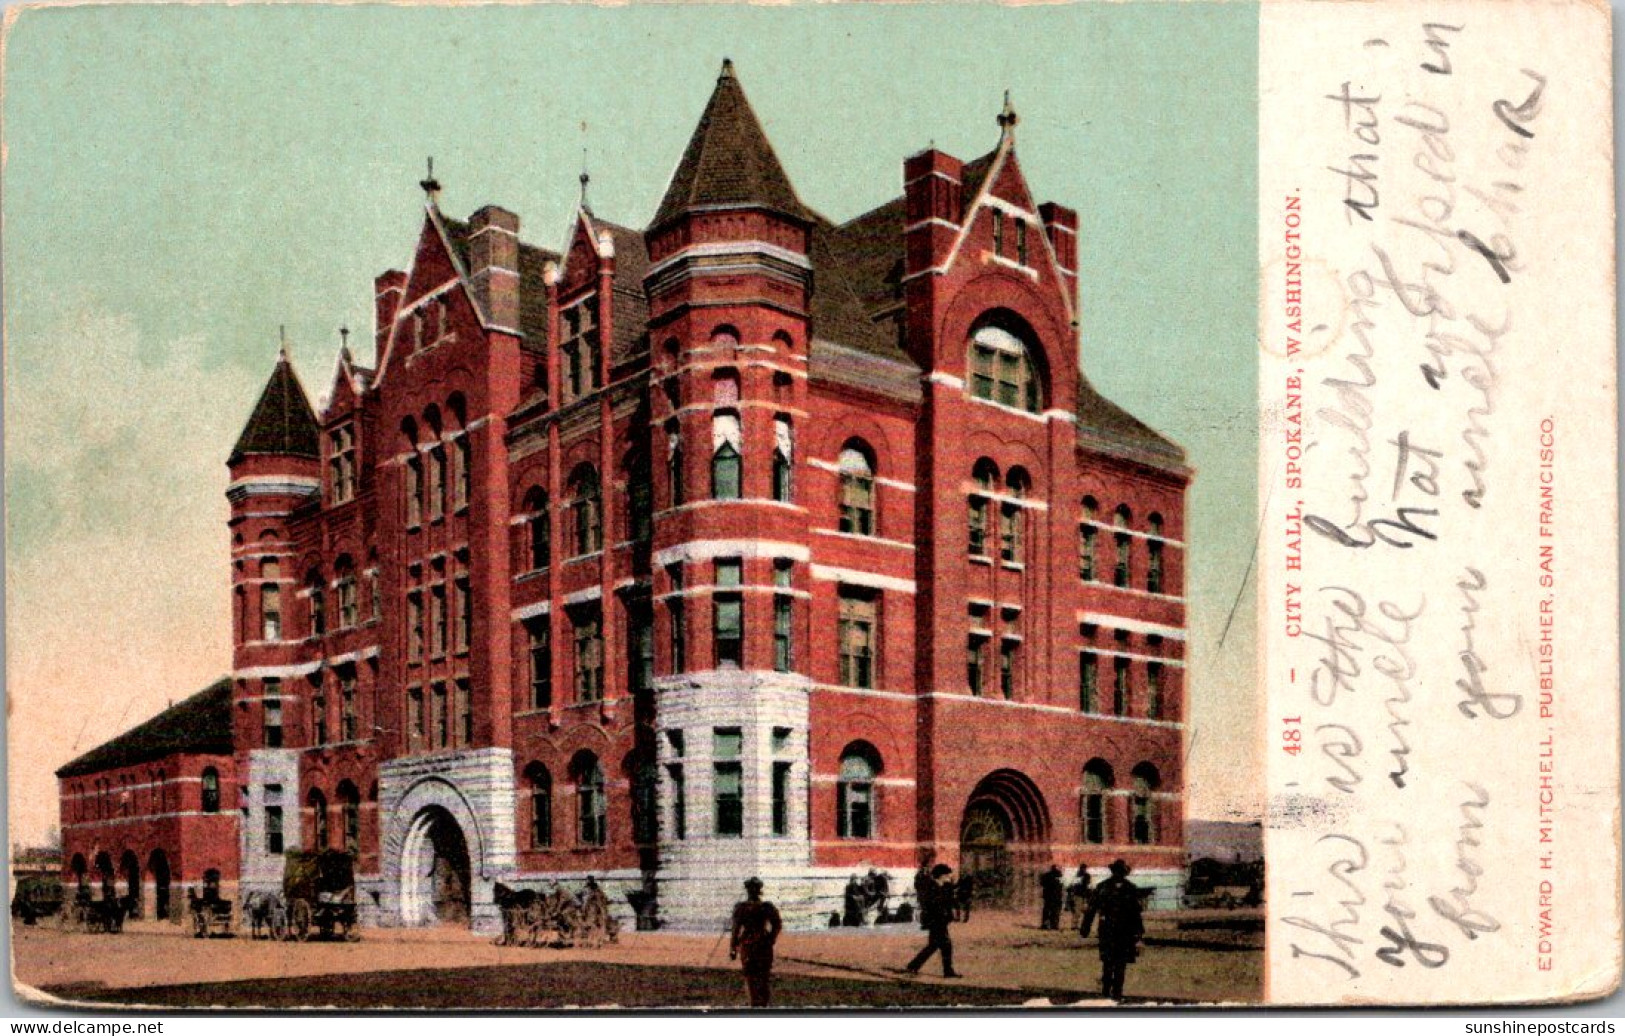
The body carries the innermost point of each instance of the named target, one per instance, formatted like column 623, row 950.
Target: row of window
column 349, row 828
column 1097, row 821
column 1090, row 532
column 107, row 798
column 439, row 614
column 438, row 466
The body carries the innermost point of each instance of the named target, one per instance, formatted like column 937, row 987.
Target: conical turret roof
column 283, row 423
column 729, row 161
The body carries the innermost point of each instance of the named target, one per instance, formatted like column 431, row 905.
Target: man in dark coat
column 1051, row 885
column 756, row 927
column 852, row 904
column 1117, row 902
column 1077, row 895
column 964, row 890
column 936, row 914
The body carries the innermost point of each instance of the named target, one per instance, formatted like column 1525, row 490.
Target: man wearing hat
column 756, row 927
column 1117, row 902
column 936, row 913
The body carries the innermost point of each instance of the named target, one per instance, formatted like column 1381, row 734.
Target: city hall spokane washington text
column 746, row 543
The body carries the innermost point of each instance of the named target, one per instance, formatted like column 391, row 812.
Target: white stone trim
column 1136, row 533
column 752, row 501
column 705, row 550
column 591, row 593
column 832, row 466
column 1037, row 707
column 531, row 611
column 1133, row 625
column 942, row 378
column 855, row 577
column 931, row 221
column 899, row 544
column 865, row 692
column 276, row 671
column 1177, row 663
column 731, row 248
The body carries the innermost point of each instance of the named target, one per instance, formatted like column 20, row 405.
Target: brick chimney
column 493, row 265
column 933, row 197
column 388, row 288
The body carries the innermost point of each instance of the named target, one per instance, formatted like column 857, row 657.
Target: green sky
column 180, row 180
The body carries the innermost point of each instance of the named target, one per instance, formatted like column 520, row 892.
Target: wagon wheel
column 277, row 923
column 200, row 926
column 301, row 920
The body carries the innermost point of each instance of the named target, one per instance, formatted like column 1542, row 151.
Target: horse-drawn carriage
column 556, row 918
column 86, row 914
column 211, row 915
column 318, row 895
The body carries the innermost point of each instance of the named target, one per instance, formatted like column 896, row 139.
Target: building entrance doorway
column 158, row 865
column 436, row 873
column 1004, row 839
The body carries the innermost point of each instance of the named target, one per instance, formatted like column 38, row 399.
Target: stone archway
column 1004, row 837
column 158, row 867
column 130, row 870
column 436, row 877
column 434, row 855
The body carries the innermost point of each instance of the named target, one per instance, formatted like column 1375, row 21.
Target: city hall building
column 744, row 543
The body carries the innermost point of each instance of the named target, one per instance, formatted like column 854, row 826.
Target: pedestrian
column 922, row 877
column 964, row 888
column 1051, row 885
column 1117, row 902
column 936, row 914
column 1077, row 898
column 756, row 927
column 852, row 904
column 876, row 890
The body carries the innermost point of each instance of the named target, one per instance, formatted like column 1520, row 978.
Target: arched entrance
column 158, row 867
column 1004, row 838
column 104, row 872
column 436, row 876
column 130, row 865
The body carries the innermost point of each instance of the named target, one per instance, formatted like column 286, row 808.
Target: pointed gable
column 343, row 392
column 282, row 423
column 729, row 161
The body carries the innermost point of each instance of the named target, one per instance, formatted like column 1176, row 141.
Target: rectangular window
column 589, row 651
column 1021, row 241
column 641, row 644
column 1120, row 572
column 1007, row 668
column 318, row 719
column 414, row 490
column 271, row 610
column 729, row 630
column 464, row 625
column 781, row 798
column 729, row 572
column 679, row 802
column 978, row 527
column 462, row 474
column 414, row 627
column 1086, row 552
column 435, row 491
column 347, row 716
column 728, row 782
column 541, row 663
column 855, row 632
column 1120, row 690
column 981, row 379
column 341, row 463
column 440, row 719
column 998, row 232
column 273, row 824
column 273, row 713
column 416, row 727
column 1010, row 533
column 1153, row 690
column 437, row 620
column 1153, row 568
column 679, row 653
column 783, row 638
column 975, row 650
column 465, row 713
column 349, row 607
column 1089, row 682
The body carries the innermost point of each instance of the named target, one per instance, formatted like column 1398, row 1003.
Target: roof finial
column 727, row 69
column 1007, row 118
column 344, row 336
column 430, row 185
column 586, row 178
column 282, row 336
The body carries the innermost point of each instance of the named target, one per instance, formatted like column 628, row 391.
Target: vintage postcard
column 866, row 506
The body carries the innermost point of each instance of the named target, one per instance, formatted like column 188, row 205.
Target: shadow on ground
column 569, row 984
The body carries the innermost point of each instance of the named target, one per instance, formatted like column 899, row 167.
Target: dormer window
column 341, row 464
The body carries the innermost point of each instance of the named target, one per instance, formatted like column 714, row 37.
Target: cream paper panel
column 1437, row 558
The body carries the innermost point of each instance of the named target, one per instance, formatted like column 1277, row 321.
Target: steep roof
column 1100, row 418
column 282, row 423
column 200, row 725
column 532, row 286
column 630, row 304
column 729, row 161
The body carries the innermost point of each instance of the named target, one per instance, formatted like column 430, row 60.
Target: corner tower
column 729, row 288
column 275, row 471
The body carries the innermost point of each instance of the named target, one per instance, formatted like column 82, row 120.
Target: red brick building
column 747, row 542
column 150, row 812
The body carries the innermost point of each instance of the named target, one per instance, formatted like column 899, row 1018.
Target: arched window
column 857, row 489
column 1153, row 546
column 783, row 458
column 211, row 790
column 1002, row 370
column 271, row 599
column 318, row 818
column 1143, row 819
column 1121, row 519
column 345, row 590
column 591, row 808
column 318, row 603
column 539, row 529
column 1010, row 517
column 1087, row 533
column 540, row 783
column 674, row 463
column 585, row 510
column 855, row 791
column 350, row 815
column 726, row 463
column 986, row 477
column 1097, row 781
